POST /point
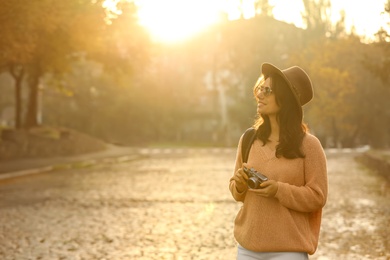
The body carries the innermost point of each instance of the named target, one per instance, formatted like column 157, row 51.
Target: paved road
column 173, row 205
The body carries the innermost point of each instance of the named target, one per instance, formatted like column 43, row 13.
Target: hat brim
column 267, row 69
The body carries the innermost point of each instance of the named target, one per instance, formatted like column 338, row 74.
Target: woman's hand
column 240, row 179
column 267, row 189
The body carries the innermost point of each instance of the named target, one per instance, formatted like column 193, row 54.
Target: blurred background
column 181, row 73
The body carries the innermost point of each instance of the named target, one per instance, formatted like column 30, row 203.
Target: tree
column 382, row 68
column 350, row 104
column 316, row 17
column 16, row 44
column 379, row 66
column 47, row 36
column 263, row 8
column 328, row 115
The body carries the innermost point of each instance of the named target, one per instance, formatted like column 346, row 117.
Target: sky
column 173, row 20
column 364, row 15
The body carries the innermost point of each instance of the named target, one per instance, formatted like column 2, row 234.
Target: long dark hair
column 290, row 119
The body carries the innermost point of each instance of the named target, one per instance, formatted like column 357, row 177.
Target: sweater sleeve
column 238, row 196
column 313, row 195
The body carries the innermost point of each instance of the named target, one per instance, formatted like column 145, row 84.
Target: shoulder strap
column 247, row 140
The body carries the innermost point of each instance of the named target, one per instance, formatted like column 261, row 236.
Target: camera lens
column 253, row 183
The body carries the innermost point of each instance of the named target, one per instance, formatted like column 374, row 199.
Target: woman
column 281, row 219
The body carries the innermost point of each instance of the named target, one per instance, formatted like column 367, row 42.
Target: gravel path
column 173, row 205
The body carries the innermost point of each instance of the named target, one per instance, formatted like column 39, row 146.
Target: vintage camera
column 255, row 178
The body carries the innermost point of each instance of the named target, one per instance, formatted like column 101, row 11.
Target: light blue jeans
column 245, row 254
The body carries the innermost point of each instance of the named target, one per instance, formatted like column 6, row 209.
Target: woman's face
column 266, row 102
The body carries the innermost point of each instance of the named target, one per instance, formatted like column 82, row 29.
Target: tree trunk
column 18, row 104
column 18, row 76
column 335, row 133
column 33, row 101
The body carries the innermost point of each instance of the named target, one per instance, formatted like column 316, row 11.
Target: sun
column 176, row 20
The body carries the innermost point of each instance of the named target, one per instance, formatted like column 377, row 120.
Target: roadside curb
column 70, row 165
column 21, row 173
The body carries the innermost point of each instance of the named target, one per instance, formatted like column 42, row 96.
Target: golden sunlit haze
column 175, row 20
column 366, row 16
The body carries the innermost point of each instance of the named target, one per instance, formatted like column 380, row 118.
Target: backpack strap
column 247, row 140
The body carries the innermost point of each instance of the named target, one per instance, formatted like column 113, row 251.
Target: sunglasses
column 266, row 91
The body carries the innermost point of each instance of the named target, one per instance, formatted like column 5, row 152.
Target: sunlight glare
column 367, row 18
column 111, row 6
column 175, row 20
column 288, row 11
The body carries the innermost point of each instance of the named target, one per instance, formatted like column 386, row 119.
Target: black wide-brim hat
column 296, row 78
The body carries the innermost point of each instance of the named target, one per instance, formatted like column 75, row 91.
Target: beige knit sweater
column 289, row 222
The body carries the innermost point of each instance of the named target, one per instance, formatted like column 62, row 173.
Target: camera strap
column 247, row 140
